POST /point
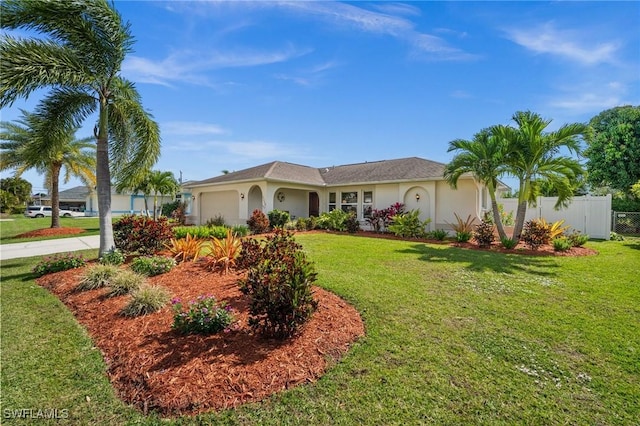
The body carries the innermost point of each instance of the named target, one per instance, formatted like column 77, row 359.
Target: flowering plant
column 204, row 316
column 58, row 262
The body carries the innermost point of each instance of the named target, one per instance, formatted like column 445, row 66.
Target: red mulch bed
column 47, row 232
column 521, row 248
column 155, row 368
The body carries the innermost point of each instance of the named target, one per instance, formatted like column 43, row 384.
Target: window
column 349, row 201
column 367, row 203
column 332, row 201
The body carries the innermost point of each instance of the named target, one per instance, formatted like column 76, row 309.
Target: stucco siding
column 220, row 203
column 463, row 201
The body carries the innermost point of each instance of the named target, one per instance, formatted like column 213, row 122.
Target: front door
column 314, row 204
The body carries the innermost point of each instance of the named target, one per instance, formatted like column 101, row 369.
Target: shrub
column 224, row 252
column 141, row 234
column 278, row 218
column 463, row 236
column 437, row 234
column 146, row 300
column 250, row 253
column 301, row 224
column 614, row 236
column 203, row 316
column 352, row 224
column 335, row 220
column 483, row 234
column 508, row 243
column 112, row 257
column 185, row 249
column 536, row 233
column 97, row 276
column 58, row 262
column 409, row 225
column 218, row 231
column 240, row 230
column 194, row 231
column 506, row 218
column 380, row 220
column 175, row 210
column 561, row 244
column 258, row 222
column 556, row 229
column 152, row 265
column 217, row 220
column 463, row 226
column 312, row 223
column 577, row 239
column 125, row 281
column 279, row 287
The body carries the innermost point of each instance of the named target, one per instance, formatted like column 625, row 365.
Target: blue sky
column 238, row 84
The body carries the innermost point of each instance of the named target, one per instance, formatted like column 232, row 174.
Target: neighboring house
column 74, row 199
column 126, row 203
column 307, row 191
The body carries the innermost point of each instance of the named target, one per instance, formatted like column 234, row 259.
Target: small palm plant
column 224, row 252
column 463, row 229
column 185, row 249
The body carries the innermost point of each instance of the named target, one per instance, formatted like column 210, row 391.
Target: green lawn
column 21, row 224
column 453, row 337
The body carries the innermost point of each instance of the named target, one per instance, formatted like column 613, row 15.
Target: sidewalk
column 40, row 248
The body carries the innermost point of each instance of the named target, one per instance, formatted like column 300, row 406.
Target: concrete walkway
column 41, row 248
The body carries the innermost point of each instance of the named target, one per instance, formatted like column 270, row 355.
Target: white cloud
column 546, row 39
column 310, row 76
column 191, row 66
column 591, row 98
column 188, row 128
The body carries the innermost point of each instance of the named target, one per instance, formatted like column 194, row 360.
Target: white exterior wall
column 465, row 200
column 588, row 214
column 437, row 200
column 122, row 204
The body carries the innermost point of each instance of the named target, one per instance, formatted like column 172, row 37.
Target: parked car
column 42, row 211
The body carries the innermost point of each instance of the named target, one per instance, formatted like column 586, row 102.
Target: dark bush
column 352, row 224
column 483, row 234
column 258, row 222
column 279, row 287
column 536, row 233
column 141, row 234
column 278, row 218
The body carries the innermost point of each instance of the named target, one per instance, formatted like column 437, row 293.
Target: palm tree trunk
column 520, row 215
column 496, row 216
column 55, row 195
column 103, row 179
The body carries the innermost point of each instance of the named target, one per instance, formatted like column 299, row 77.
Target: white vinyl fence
column 588, row 214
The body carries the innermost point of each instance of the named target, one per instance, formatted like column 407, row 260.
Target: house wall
column 220, row 203
column 122, row 204
column 464, row 200
column 437, row 200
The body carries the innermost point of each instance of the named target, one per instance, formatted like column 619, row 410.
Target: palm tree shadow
column 485, row 260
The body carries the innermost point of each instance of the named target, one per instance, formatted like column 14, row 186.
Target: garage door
column 223, row 203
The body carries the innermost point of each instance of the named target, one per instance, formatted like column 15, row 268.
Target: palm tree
column 161, row 183
column 27, row 144
column 80, row 59
column 533, row 157
column 484, row 158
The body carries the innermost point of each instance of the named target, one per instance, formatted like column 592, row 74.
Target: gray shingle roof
column 276, row 170
column 403, row 169
column 78, row 193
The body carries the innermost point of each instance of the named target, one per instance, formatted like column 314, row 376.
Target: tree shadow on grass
column 485, row 260
column 14, row 270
